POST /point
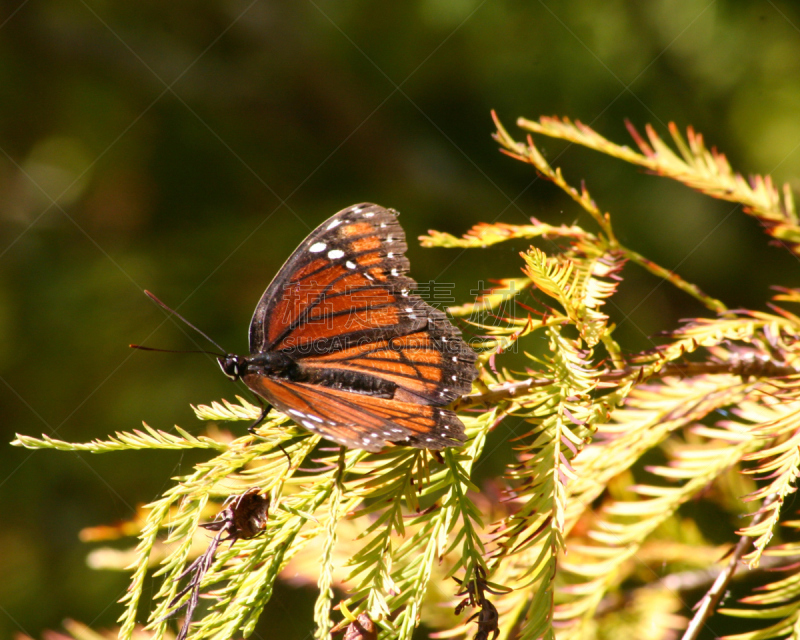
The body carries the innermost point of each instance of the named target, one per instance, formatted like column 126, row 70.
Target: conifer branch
column 695, row 166
column 322, row 608
column 518, row 390
column 717, row 400
column 124, row 441
column 530, row 154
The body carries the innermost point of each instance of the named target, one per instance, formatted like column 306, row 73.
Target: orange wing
column 345, row 282
column 432, row 366
column 358, row 420
column 342, row 302
column 372, row 362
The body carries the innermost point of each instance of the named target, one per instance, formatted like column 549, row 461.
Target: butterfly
column 340, row 344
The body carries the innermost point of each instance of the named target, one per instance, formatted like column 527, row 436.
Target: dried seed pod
column 362, row 628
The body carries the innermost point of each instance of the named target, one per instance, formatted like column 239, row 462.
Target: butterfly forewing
column 371, row 361
column 346, row 280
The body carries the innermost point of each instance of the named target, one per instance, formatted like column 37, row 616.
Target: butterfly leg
column 265, row 408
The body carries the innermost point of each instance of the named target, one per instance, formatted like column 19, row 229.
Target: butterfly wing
column 431, row 366
column 342, row 303
column 343, row 282
column 358, row 420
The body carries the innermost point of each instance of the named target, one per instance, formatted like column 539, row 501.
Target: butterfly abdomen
column 281, row 366
column 351, row 381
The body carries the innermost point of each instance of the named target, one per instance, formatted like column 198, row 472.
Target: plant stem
column 660, row 272
column 708, row 604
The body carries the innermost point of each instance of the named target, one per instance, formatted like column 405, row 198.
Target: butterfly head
column 232, row 366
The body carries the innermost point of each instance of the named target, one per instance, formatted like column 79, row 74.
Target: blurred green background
column 188, row 147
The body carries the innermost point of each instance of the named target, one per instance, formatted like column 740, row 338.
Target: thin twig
column 710, row 600
column 694, row 580
column 692, row 289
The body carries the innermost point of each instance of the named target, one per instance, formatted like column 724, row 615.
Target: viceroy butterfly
column 340, row 344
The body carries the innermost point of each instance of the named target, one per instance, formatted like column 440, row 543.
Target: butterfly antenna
column 143, row 348
column 181, row 318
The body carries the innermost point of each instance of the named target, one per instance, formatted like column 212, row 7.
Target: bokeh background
column 188, row 147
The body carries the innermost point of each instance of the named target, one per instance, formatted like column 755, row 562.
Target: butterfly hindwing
column 429, row 366
column 361, row 421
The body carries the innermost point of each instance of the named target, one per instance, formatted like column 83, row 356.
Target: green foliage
column 619, row 446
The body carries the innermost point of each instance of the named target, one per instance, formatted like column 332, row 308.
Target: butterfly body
column 340, row 344
column 280, row 366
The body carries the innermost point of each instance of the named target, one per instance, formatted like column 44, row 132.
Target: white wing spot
column 409, row 309
column 394, row 272
column 369, row 214
column 350, row 265
column 455, row 358
column 335, row 254
column 333, row 224
column 315, row 418
column 404, row 292
column 356, row 209
column 454, row 377
column 389, row 238
column 430, row 439
column 383, row 225
column 444, row 339
column 445, row 390
column 412, row 316
column 317, row 247
column 390, row 255
column 309, row 425
column 295, row 412
column 368, row 277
